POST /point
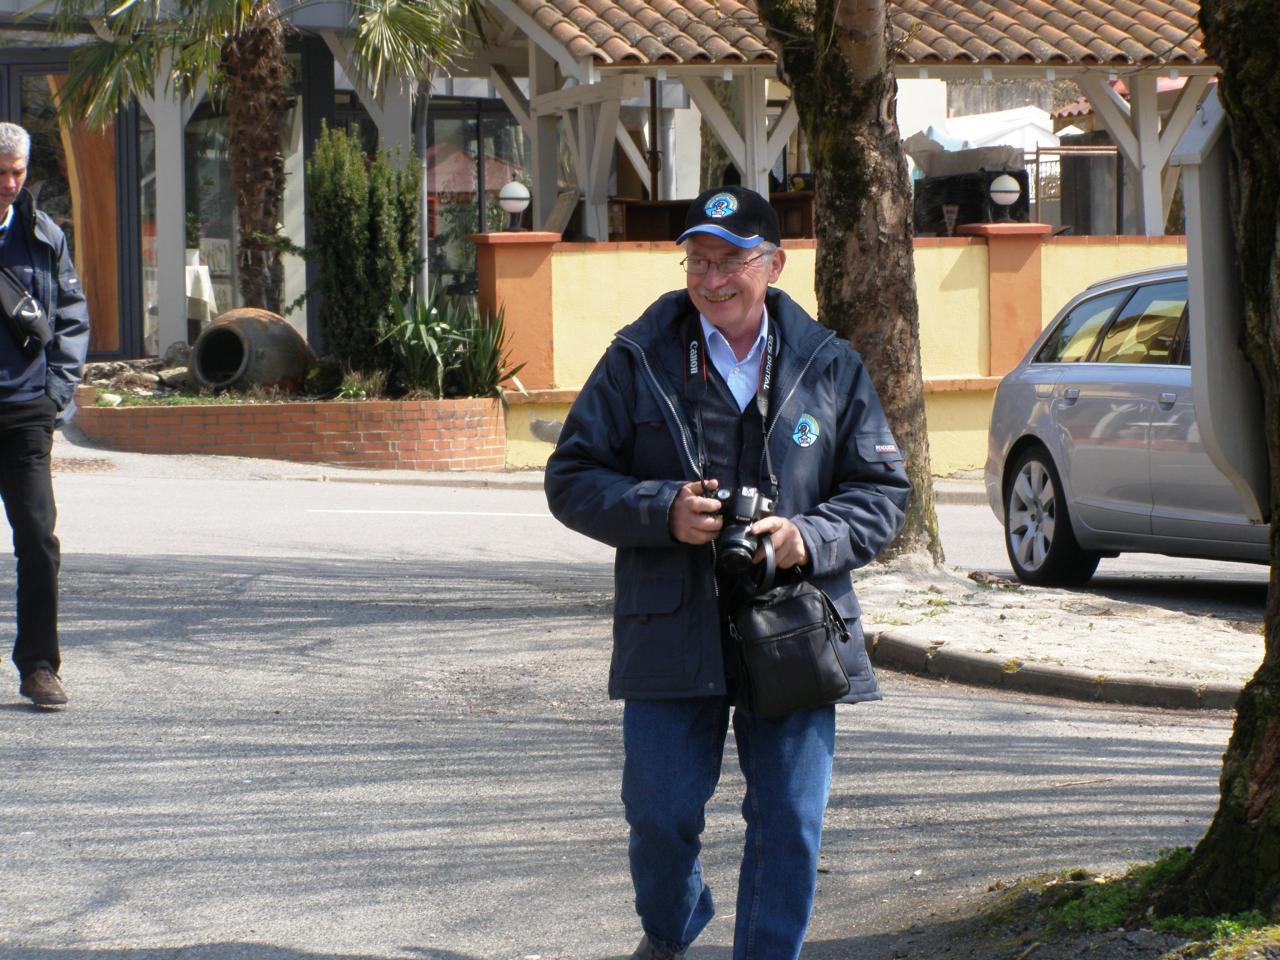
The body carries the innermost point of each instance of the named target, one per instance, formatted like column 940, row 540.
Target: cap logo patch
column 721, row 205
column 806, row 433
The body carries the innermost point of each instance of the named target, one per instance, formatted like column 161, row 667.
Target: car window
column 1073, row 337
column 1146, row 330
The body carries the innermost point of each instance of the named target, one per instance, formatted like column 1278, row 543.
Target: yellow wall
column 958, row 430
column 600, row 288
column 951, row 287
column 597, row 292
column 524, row 450
column 1069, row 264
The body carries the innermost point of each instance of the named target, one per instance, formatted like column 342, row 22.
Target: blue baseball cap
column 736, row 214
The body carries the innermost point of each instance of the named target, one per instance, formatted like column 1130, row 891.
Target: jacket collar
column 24, row 211
column 658, row 333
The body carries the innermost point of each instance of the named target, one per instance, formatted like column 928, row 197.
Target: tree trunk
column 1236, row 866
column 835, row 58
column 257, row 96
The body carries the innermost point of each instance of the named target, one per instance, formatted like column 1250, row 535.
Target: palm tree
column 237, row 47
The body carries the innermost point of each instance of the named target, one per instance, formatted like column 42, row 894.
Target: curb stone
column 982, row 669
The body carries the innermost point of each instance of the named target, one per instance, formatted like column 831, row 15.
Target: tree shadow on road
column 428, row 747
column 219, row 951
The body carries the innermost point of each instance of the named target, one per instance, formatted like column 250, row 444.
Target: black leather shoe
column 647, row 951
column 43, row 688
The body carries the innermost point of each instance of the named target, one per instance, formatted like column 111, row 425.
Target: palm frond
column 402, row 38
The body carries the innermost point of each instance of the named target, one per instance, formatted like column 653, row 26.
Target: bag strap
column 12, row 290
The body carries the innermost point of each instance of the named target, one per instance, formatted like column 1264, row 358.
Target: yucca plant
column 425, row 344
column 485, row 364
column 446, row 347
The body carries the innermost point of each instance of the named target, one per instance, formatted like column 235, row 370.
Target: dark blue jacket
column 626, row 449
column 58, row 290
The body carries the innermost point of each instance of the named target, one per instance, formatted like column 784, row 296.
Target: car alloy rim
column 1032, row 513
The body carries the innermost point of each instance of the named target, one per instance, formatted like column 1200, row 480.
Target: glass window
column 1146, row 330
column 473, row 151
column 1073, row 338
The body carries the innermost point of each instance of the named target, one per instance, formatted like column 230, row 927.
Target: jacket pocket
column 654, row 454
column 650, row 628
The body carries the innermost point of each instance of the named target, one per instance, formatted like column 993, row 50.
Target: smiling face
column 732, row 304
column 13, row 174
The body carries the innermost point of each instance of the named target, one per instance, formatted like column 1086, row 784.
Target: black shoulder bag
column 27, row 320
column 788, row 639
column 787, row 636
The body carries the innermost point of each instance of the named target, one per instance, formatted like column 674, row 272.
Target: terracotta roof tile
column 615, row 32
column 1104, row 32
column 976, row 32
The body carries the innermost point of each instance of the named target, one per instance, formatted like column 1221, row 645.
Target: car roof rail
column 1149, row 273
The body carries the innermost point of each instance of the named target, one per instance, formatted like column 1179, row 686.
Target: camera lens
column 737, row 548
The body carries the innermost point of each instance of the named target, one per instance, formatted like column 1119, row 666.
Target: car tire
column 1042, row 546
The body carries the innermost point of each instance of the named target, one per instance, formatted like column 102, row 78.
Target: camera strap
column 696, row 385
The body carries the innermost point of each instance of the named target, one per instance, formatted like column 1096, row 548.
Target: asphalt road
column 330, row 720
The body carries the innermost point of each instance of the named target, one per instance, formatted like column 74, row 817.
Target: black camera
column 736, row 546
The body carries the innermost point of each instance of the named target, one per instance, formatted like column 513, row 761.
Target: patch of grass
column 1012, row 665
column 1212, row 928
column 361, row 385
column 1114, row 902
column 1262, row 943
column 1070, row 903
column 187, row 400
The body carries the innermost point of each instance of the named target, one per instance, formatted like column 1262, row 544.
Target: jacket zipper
column 684, row 438
column 675, row 414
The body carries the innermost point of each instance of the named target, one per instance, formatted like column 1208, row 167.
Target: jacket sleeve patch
column 878, row 447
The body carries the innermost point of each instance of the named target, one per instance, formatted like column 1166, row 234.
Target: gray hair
column 14, row 141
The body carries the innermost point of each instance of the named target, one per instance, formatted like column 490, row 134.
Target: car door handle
column 1167, row 400
column 1071, row 394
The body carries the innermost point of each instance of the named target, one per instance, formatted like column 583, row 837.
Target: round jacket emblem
column 806, row 431
column 721, row 205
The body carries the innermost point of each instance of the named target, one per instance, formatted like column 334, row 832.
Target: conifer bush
column 364, row 237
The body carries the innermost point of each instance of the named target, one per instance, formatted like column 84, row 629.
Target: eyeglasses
column 727, row 267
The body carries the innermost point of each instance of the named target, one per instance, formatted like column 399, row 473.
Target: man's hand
column 695, row 518
column 788, row 545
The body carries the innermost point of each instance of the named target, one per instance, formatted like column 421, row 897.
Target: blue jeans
column 673, row 758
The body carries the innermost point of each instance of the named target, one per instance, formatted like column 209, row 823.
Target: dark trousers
column 26, row 485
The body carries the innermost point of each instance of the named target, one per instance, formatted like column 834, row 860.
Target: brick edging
column 463, row 434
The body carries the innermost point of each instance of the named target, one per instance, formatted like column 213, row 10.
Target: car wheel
column 1037, row 528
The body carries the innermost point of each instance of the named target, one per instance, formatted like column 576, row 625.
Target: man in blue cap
column 724, row 386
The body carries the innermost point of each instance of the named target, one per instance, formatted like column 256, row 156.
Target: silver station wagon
column 1093, row 448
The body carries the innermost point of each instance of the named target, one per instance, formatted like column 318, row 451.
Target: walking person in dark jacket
column 684, row 403
column 37, row 380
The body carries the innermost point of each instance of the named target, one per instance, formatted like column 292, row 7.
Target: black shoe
column 43, row 688
column 647, row 951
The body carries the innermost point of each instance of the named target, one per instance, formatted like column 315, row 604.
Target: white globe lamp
column 1004, row 192
column 514, row 198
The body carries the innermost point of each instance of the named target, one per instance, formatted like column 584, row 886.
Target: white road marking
column 439, row 513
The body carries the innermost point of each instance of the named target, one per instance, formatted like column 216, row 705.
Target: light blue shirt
column 742, row 376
